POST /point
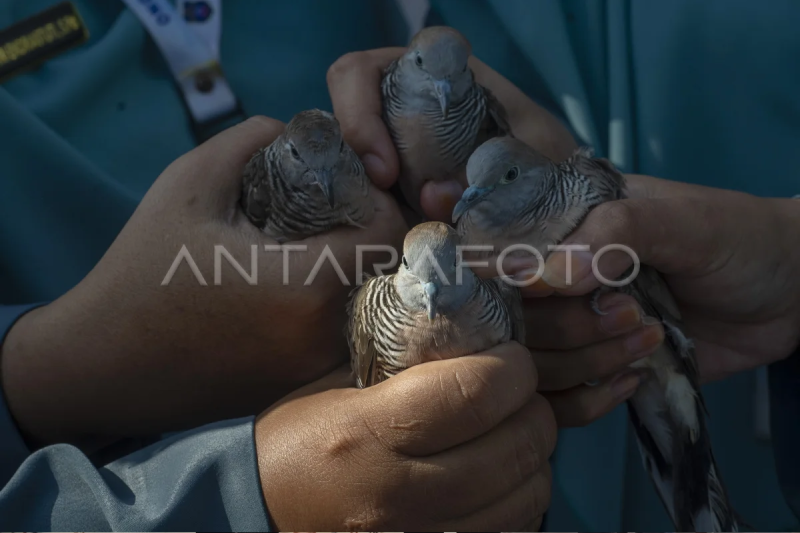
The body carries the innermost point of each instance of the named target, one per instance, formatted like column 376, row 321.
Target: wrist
column 39, row 356
column 18, row 354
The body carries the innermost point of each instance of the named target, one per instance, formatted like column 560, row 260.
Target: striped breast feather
column 392, row 103
column 375, row 330
column 458, row 133
column 256, row 197
column 504, row 307
column 296, row 212
column 496, row 123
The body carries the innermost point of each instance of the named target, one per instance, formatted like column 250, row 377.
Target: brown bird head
column 315, row 152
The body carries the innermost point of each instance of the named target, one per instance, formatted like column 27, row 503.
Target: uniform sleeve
column 784, row 384
column 202, row 480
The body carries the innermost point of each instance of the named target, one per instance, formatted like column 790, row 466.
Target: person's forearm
column 85, row 370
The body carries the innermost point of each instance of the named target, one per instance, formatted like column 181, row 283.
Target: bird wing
column 256, row 199
column 496, row 123
column 683, row 467
column 651, row 291
column 361, row 334
column 512, row 299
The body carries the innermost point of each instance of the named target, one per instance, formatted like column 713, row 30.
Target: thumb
column 438, row 198
column 660, row 232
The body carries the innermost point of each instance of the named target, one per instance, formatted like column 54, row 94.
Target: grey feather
column 435, row 139
column 307, row 182
column 390, row 328
column 517, row 195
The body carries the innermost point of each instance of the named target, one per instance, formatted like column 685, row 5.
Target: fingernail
column 537, row 288
column 625, row 384
column 620, row 318
column 515, row 265
column 556, row 274
column 647, row 338
column 374, row 166
column 613, row 299
column 527, row 276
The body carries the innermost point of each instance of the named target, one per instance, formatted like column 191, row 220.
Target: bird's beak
column 324, row 179
column 443, row 89
column 432, row 293
column 471, row 196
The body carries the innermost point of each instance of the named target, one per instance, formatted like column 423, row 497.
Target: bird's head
column 504, row 175
column 428, row 278
column 437, row 64
column 314, row 151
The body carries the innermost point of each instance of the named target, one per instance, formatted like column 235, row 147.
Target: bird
column 306, row 182
column 435, row 111
column 427, row 311
column 517, row 195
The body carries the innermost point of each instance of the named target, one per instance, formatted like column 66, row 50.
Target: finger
column 434, row 406
column 524, row 272
column 474, row 474
column 582, row 405
column 354, row 82
column 529, row 121
column 641, row 186
column 659, row 232
column 525, row 505
column 569, row 323
column 438, row 198
column 560, row 370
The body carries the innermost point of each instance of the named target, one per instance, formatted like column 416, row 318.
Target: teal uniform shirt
column 81, row 140
column 703, row 92
column 694, row 91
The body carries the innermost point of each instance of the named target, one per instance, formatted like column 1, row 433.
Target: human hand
column 121, row 355
column 729, row 258
column 569, row 343
column 354, row 83
column 472, row 431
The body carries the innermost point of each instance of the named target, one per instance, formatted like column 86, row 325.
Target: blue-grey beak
column 471, row 196
column 432, row 293
column 324, row 179
column 443, row 89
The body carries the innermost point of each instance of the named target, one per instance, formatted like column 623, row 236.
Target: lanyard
column 188, row 36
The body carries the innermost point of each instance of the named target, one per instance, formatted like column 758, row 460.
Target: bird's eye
column 511, row 175
column 418, row 60
column 405, row 263
column 295, row 153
